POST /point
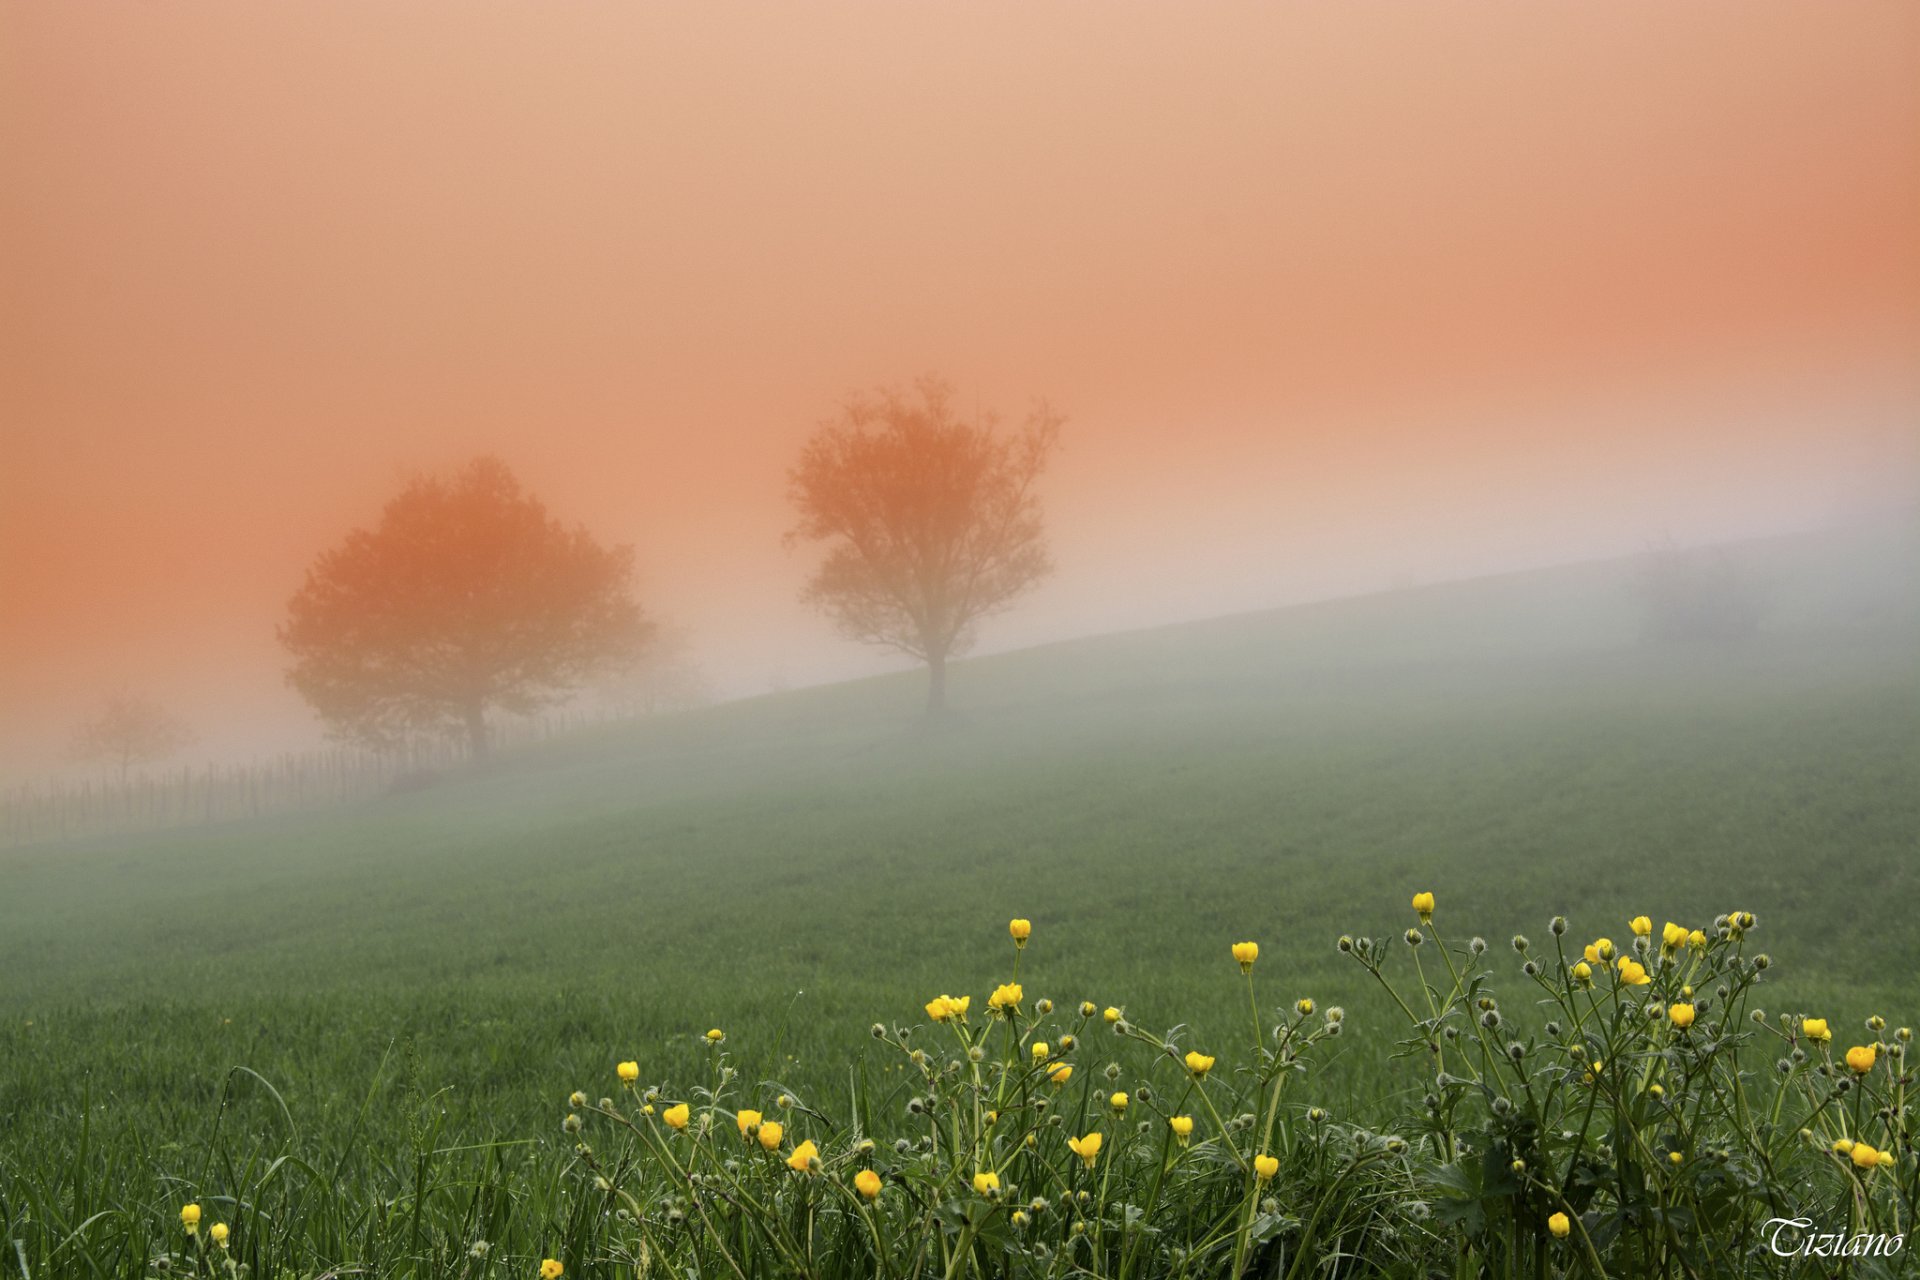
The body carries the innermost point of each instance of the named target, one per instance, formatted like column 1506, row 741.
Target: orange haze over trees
column 932, row 523
column 467, row 596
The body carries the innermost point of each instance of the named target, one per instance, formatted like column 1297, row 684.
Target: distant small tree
column 1696, row 595
column 129, row 730
column 662, row 676
column 932, row 522
column 466, row 597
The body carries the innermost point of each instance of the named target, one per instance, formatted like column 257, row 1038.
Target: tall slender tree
column 465, row 598
column 931, row 521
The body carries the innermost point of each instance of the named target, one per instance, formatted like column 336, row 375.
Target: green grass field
column 421, row 980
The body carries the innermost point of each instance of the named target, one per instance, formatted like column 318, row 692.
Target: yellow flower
column 1264, row 1167
column 1582, row 973
column 867, row 1183
column 1641, row 926
column 944, row 1007
column 1199, row 1064
column 715, row 1036
column 1246, row 953
column 1303, row 1007
column 219, row 1233
column 1815, row 1029
column 1681, row 1015
column 677, row 1116
column 1697, row 940
column 1111, row 1016
column 1674, row 1157
column 1423, row 903
column 551, row 1269
column 1040, row 1050
column 746, row 1120
column 803, row 1157
column 1021, row 931
column 1061, row 1074
column 1842, row 1145
column 1599, row 951
column 1005, row 996
column 1182, row 1127
column 1560, row 1225
column 1087, row 1148
column 1672, row 937
column 1119, row 1101
column 987, row 1184
column 1888, row 1159
column 190, row 1217
column 1863, row 1156
column 1633, row 973
column 770, row 1134
column 1861, row 1057
column 628, row 1072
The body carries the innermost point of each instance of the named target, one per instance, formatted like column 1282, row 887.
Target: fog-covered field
column 413, row 986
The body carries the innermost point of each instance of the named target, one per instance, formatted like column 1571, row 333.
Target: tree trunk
column 936, row 683
column 478, row 744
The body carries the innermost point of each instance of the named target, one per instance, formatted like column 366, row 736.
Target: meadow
column 356, row 1031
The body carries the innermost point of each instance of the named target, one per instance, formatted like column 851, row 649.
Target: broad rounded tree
column 931, row 520
column 466, row 597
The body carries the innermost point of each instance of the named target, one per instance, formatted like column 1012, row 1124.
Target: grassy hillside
column 440, row 967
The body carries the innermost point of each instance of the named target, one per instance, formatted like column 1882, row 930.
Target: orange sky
column 1333, row 294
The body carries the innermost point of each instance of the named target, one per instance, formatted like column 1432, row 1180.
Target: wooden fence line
column 289, row 782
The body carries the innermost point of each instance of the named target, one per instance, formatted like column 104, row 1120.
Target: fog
column 1333, row 300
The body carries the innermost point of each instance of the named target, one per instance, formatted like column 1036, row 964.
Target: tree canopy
column 128, row 730
column 466, row 597
column 931, row 522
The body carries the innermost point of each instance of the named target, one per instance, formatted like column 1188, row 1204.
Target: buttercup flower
column 770, row 1134
column 1061, row 1074
column 715, row 1036
column 628, row 1072
column 803, row 1157
column 1681, row 1015
column 746, row 1120
column 1423, row 903
column 1815, row 1029
column 1264, row 1167
column 1005, row 996
column 190, row 1218
column 1111, row 1016
column 1582, row 973
column 1040, row 1051
column 944, row 1007
column 1697, row 940
column 867, row 1183
column 219, row 1233
column 987, row 1184
column 1304, row 1007
column 1199, row 1064
column 1633, row 973
column 1087, row 1148
column 1246, row 953
column 1560, row 1225
column 551, row 1269
column 676, row 1116
column 1861, row 1058
column 1672, row 937
column 1119, row 1102
column 1021, row 931
column 1599, row 951
column 1641, row 926
column 1182, row 1127
column 1863, row 1156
